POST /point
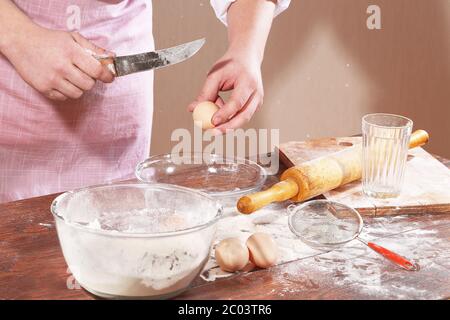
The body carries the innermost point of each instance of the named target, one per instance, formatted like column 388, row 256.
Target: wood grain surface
column 32, row 265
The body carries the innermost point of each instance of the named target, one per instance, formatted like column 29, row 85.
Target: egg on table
column 263, row 250
column 203, row 113
column 231, row 255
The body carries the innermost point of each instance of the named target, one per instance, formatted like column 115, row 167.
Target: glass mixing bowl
column 225, row 179
column 135, row 240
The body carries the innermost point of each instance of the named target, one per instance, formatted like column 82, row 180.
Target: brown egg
column 203, row 113
column 231, row 255
column 263, row 250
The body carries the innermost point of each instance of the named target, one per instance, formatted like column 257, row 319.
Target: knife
column 123, row 65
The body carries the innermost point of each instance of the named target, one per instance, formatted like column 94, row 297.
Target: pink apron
column 48, row 147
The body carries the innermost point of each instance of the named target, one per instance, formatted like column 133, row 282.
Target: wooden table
column 32, row 265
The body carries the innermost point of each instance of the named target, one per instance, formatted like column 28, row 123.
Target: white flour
column 135, row 266
column 142, row 267
column 272, row 220
column 353, row 265
column 358, row 267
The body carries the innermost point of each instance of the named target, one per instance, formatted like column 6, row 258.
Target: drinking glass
column 385, row 150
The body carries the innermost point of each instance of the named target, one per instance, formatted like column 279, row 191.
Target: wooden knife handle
column 307, row 180
column 106, row 61
column 280, row 191
column 109, row 64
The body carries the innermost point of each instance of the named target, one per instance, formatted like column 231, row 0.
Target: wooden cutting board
column 426, row 188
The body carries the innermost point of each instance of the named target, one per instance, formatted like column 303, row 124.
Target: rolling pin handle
column 418, row 138
column 281, row 191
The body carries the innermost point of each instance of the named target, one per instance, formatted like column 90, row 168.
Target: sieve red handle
column 393, row 257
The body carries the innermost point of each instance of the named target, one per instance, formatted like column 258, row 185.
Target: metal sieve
column 327, row 225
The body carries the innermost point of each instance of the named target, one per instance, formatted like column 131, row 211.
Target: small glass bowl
column 135, row 241
column 225, row 179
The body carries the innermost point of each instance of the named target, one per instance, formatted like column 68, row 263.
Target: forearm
column 12, row 20
column 249, row 23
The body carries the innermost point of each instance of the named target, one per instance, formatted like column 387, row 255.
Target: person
column 66, row 122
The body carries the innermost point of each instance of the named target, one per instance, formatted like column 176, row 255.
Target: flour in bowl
column 125, row 261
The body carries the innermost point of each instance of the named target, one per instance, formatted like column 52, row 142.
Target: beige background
column 323, row 68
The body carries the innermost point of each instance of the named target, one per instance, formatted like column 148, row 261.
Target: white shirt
column 221, row 8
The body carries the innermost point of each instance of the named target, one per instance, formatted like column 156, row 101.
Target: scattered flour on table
column 365, row 271
column 353, row 265
column 47, row 225
column 272, row 220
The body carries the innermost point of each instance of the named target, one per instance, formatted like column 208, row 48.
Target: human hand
column 57, row 63
column 240, row 72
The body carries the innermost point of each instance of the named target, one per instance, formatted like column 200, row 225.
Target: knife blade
column 123, row 65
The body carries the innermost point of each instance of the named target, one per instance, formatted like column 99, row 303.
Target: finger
column 69, row 90
column 239, row 98
column 219, row 102
column 80, row 79
column 243, row 117
column 85, row 43
column 92, row 67
column 56, row 95
column 87, row 63
column 209, row 91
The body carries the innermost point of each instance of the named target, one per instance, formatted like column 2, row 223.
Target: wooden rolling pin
column 316, row 176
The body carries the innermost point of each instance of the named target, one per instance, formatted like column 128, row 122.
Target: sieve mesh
column 324, row 224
